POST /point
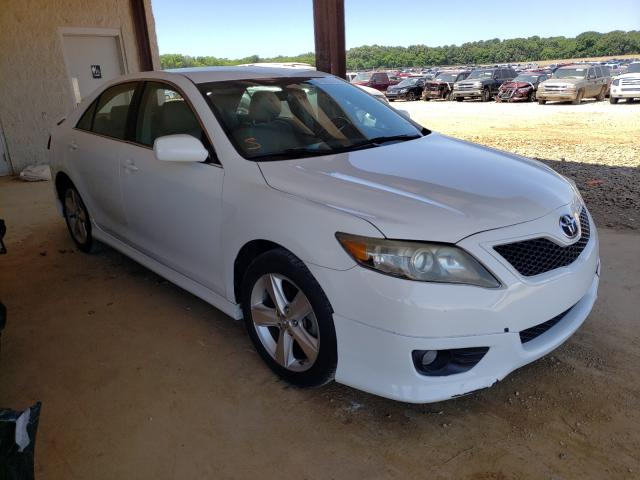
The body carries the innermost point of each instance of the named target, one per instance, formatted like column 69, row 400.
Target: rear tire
column 294, row 335
column 78, row 220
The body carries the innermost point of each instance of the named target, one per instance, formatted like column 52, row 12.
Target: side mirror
column 179, row 148
column 404, row 113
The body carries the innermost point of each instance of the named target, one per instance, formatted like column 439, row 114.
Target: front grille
column 466, row 86
column 630, row 81
column 540, row 255
column 537, row 330
column 557, row 89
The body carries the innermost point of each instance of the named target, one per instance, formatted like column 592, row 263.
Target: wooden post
column 141, row 29
column 328, row 24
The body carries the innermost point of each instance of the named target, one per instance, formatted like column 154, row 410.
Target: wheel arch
column 61, row 183
column 247, row 253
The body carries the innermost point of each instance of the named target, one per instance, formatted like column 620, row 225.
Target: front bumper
column 383, row 319
column 624, row 92
column 557, row 96
column 506, row 95
column 395, row 95
column 434, row 94
column 475, row 93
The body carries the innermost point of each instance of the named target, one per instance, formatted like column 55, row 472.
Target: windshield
column 634, row 68
column 363, row 77
column 578, row 72
column 526, row 78
column 408, row 82
column 480, row 74
column 281, row 118
column 447, row 77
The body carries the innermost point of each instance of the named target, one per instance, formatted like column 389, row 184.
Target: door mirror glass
column 179, row 148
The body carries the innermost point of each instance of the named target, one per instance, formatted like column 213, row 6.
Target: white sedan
column 355, row 244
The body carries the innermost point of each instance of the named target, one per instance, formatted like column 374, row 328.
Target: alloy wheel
column 76, row 216
column 285, row 322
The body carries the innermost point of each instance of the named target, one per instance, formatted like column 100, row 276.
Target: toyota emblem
column 569, row 225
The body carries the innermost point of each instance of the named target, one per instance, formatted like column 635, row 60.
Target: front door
column 91, row 61
column 173, row 209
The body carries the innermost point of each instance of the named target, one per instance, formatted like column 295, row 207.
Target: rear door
column 173, row 208
column 92, row 152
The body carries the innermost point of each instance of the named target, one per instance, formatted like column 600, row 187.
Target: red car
column 378, row 80
column 523, row 87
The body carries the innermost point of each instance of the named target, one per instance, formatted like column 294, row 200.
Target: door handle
column 73, row 145
column 129, row 165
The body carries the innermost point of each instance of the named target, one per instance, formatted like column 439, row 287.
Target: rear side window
column 112, row 111
column 163, row 111
column 598, row 71
column 86, row 120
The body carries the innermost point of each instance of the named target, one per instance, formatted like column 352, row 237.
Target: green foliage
column 587, row 44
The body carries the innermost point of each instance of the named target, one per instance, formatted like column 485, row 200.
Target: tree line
column 514, row 50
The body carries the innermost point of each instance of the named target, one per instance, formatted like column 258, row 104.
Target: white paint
column 86, row 47
column 188, row 221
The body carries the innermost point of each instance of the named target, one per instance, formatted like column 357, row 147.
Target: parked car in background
column 572, row 83
column 378, row 80
column 376, row 93
column 482, row 83
column 353, row 243
column 627, row 85
column 521, row 88
column 441, row 86
column 409, row 89
column 350, row 76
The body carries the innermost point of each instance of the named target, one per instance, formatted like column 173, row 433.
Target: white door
column 4, row 157
column 91, row 60
column 173, row 209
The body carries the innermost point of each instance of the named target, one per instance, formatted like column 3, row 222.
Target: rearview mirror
column 179, row 148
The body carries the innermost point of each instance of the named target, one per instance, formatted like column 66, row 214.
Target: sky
column 236, row 29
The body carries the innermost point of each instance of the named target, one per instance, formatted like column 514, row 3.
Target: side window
column 113, row 109
column 163, row 111
column 87, row 117
column 591, row 73
column 598, row 71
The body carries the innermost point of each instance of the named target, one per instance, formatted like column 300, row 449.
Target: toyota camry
column 355, row 244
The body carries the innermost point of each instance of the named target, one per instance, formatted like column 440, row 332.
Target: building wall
column 34, row 87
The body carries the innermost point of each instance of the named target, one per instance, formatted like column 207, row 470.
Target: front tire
column 541, row 101
column 578, row 99
column 78, row 220
column 486, row 95
column 410, row 97
column 289, row 319
column 602, row 94
column 613, row 100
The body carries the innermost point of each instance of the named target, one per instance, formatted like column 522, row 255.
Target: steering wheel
column 341, row 123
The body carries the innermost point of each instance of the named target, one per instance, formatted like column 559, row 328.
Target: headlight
column 616, row 82
column 425, row 262
column 456, row 86
column 477, row 84
column 570, row 86
column 403, row 90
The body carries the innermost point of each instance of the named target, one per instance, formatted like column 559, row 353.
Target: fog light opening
column 429, row 357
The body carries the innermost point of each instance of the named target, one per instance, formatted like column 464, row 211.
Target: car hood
column 434, row 188
column 561, row 81
column 515, row 85
column 628, row 75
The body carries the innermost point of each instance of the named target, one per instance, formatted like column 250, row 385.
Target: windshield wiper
column 300, row 152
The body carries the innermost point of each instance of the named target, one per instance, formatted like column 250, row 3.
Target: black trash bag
column 18, row 443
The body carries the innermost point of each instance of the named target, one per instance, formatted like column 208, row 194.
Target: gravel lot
column 596, row 144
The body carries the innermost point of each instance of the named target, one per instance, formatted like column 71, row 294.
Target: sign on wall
column 96, row 72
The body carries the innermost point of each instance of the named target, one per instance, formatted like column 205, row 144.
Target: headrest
column 177, row 117
column 264, row 107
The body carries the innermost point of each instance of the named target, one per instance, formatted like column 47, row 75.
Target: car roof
column 220, row 74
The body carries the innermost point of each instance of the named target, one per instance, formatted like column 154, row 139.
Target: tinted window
column 113, row 110
column 87, row 117
column 163, row 111
column 598, row 71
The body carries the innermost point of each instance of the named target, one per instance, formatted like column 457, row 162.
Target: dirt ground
column 596, row 144
column 140, row 379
